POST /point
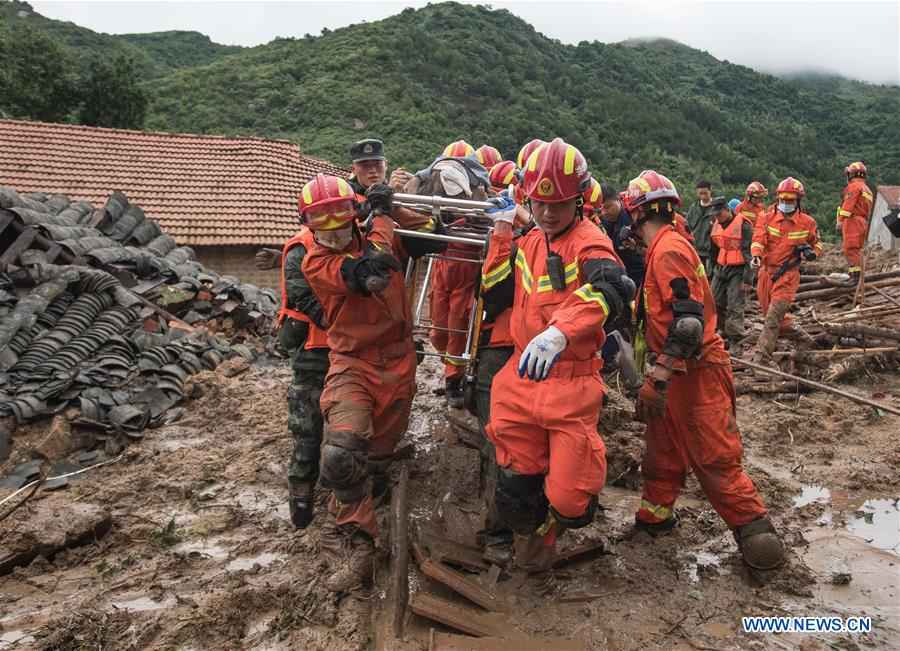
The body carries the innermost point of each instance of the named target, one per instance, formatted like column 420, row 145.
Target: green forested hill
column 425, row 77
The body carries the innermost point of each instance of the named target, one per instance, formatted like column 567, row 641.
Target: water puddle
column 202, row 548
column 144, row 604
column 699, row 563
column 874, row 519
column 243, row 563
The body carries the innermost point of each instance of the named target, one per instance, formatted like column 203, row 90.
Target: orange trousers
column 550, row 428
column 853, row 230
column 452, row 296
column 371, row 398
column 784, row 289
column 698, row 432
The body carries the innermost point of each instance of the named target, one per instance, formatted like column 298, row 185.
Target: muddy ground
column 200, row 552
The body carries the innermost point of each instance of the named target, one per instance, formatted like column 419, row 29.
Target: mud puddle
column 874, row 519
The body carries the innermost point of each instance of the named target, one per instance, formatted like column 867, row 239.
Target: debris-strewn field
column 184, row 540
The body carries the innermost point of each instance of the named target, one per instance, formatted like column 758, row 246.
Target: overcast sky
column 860, row 40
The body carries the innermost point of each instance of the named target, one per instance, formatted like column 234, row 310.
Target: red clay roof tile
column 203, row 190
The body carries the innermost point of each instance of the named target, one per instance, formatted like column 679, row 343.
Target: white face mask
column 787, row 208
column 336, row 240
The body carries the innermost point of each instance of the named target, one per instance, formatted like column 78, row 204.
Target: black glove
column 380, row 198
column 609, row 277
column 807, row 252
column 371, row 273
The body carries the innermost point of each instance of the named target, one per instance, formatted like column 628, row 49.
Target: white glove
column 755, row 261
column 541, row 354
column 504, row 210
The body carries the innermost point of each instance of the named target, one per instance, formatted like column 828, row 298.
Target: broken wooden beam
column 860, row 331
column 817, row 385
column 581, row 553
column 400, row 552
column 462, row 618
column 458, row 582
column 743, row 388
column 831, row 292
column 836, row 352
column 452, row 552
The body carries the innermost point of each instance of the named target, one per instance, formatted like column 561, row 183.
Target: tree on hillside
column 37, row 80
column 112, row 96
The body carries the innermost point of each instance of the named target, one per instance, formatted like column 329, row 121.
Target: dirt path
column 201, row 553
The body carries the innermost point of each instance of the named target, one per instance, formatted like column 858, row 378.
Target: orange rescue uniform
column 453, row 285
column 371, row 381
column 853, row 219
column 750, row 211
column 316, row 338
column 698, row 430
column 538, row 427
column 776, row 239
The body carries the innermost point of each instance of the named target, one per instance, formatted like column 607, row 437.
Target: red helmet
column 525, row 152
column 459, row 149
column 593, row 196
column 650, row 187
column 856, row 169
column 791, row 186
column 488, row 156
column 757, row 188
column 327, row 203
column 502, row 174
column 555, row 172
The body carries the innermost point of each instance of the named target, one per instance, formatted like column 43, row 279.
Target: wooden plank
column 580, row 553
column 20, row 245
column 452, row 552
column 462, row 618
column 400, row 552
column 458, row 582
column 451, row 642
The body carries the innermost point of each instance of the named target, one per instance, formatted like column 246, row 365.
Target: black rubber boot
column 302, row 504
column 456, row 398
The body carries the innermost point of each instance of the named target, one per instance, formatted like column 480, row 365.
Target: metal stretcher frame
column 473, row 234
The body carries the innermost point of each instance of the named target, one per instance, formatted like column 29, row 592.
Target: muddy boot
column 769, row 337
column 853, row 280
column 532, row 552
column 496, row 545
column 456, row 398
column 301, row 501
column 657, row 528
column 352, row 554
column 760, row 545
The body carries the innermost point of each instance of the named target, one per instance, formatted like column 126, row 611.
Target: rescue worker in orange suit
column 452, row 287
column 731, row 237
column 563, row 281
column 853, row 217
column 302, row 333
column 687, row 400
column 753, row 207
column 504, row 174
column 371, row 381
column 592, row 207
column 781, row 241
column 488, row 156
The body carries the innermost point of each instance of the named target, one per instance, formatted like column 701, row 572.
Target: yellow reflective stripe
column 700, row 271
column 533, row 158
column 587, row 293
column 818, row 246
column 544, row 284
column 773, row 231
column 757, row 246
column 867, row 196
column 429, row 227
column 307, row 193
column 509, row 176
column 569, row 160
column 522, row 264
column 844, row 213
column 659, row 512
column 798, row 235
column 497, row 275
column 852, row 269
column 454, row 362
column 344, row 188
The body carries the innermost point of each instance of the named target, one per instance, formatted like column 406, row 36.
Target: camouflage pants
column 304, row 415
column 727, row 288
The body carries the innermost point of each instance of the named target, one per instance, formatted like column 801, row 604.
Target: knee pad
column 344, row 465
column 580, row 521
column 520, row 500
